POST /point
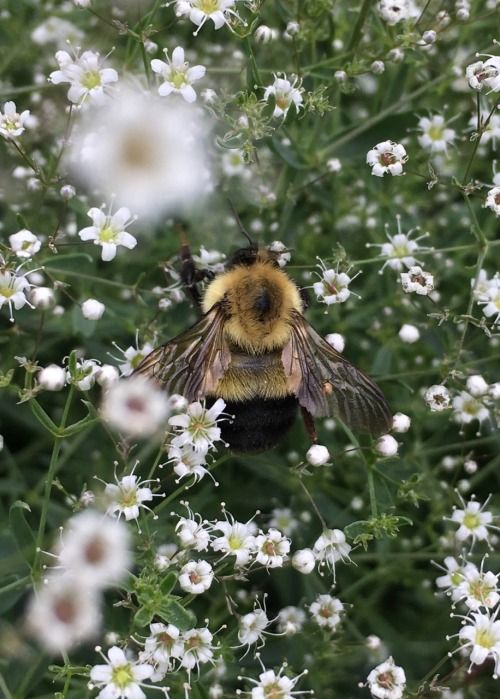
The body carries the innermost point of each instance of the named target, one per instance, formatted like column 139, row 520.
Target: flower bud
column 42, row 297
column 386, row 445
column 476, row 385
column 304, row 561
column 409, row 333
column 52, row 378
column 337, row 341
column 400, row 422
column 318, row 455
column 93, row 309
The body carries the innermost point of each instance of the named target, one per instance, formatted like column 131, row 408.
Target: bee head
column 248, row 256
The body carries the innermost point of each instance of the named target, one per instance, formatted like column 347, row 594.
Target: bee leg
column 309, row 425
column 191, row 276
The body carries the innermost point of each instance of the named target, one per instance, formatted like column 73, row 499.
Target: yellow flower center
column 107, row 235
column 436, row 133
column 471, row 521
column 6, row 291
column 208, row 6
column 122, row 676
column 485, row 638
column 274, row 691
column 178, row 79
column 91, row 79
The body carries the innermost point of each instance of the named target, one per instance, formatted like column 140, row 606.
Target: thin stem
column 357, row 32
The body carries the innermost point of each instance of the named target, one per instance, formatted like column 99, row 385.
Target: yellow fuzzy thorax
column 239, row 289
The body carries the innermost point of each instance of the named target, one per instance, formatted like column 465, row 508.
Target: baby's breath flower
column 483, row 74
column 437, row 398
column 291, row 620
column 400, row 249
column 493, row 200
column 480, row 636
column 127, row 496
column 238, row 539
column 13, row 290
column 199, row 11
column 135, row 406
column 187, row 461
column 418, row 281
column 24, row 243
column 120, row 677
column 396, row 11
column 251, row 627
column 304, row 561
column 317, row 455
column 86, row 76
column 326, row 611
column 387, row 680
column 197, row 427
column 435, row 137
column 477, row 588
column 109, row 231
column 197, row 648
column 387, row 157
column 401, row 422
column 454, row 575
column 272, row 548
column 333, row 286
column 92, row 309
column 331, row 547
column 467, row 408
column 386, row 445
column 196, row 577
column 286, row 94
column 13, row 124
column 52, row 377
column 474, row 521
column 177, row 76
column 271, row 684
column 43, row 298
column 409, row 333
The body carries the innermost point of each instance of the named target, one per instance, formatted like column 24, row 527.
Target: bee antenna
column 242, row 228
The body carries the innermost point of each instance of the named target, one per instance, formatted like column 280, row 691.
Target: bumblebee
column 253, row 348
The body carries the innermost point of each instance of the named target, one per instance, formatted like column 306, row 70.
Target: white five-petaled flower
column 331, row 547
column 400, row 248
column 163, row 644
column 467, row 408
column 493, row 200
column 127, row 496
column 13, row 289
column 484, row 74
column 192, row 533
column 188, row 462
column 453, row 576
column 197, row 648
column 434, row 135
column 133, row 356
column 333, row 286
column 135, row 406
column 394, row 11
column 271, row 684
column 198, row 426
column 120, row 678
column 326, row 611
column 86, row 76
column 387, row 680
column 417, row 281
column 251, row 626
column 237, row 540
column 12, row 124
column 84, row 375
column 477, row 588
column 24, row 243
column 109, row 231
column 199, row 11
column 437, row 397
column 285, row 95
column 176, row 75
column 481, row 637
column 473, row 520
column 272, row 548
column 196, row 577
column 387, row 157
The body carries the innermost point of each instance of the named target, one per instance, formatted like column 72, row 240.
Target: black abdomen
column 259, row 423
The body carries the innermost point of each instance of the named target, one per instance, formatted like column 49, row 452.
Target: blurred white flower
column 176, row 75
column 149, row 153
column 52, row 377
column 251, row 627
column 386, row 445
column 93, row 309
column 233, row 164
column 476, row 385
column 86, row 76
column 409, row 333
column 435, row 137
column 467, row 408
column 58, row 31
column 286, row 94
column 400, row 422
column 337, row 341
column 24, row 243
column 394, row 11
column 387, row 680
column 317, row 455
column 13, row 124
column 107, row 375
column 43, row 298
column 265, row 34
column 109, row 231
column 291, row 620
column 135, row 406
column 387, row 157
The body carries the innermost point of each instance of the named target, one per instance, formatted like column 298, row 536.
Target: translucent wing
column 193, row 362
column 327, row 384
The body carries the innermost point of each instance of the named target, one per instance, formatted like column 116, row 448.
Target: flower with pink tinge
column 387, row 680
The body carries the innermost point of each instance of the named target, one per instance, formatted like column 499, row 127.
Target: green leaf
column 21, row 530
column 174, row 613
column 82, row 326
column 143, row 616
column 76, row 427
column 168, row 582
column 43, row 418
column 72, row 261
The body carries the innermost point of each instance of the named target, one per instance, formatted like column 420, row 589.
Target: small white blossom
column 24, row 243
column 86, row 76
column 473, row 520
column 13, row 290
column 476, row 385
column 93, row 309
column 13, row 124
column 272, row 684
column 109, row 231
column 493, row 200
column 477, row 588
column 317, row 455
column 188, row 462
column 282, row 253
column 85, row 374
column 337, row 341
column 387, row 680
column 331, row 547
column 387, row 157
column 400, row 248
column 196, row 577
column 163, row 645
column 135, row 406
column 237, row 540
column 198, row 426
column 291, row 620
column 176, row 75
column 127, row 496
column 282, row 518
column 394, row 11
column 120, row 678
column 285, row 94
column 199, row 11
column 333, row 286
column 467, row 408
column 192, row 533
column 251, row 627
column 304, row 561
column 386, row 445
column 43, row 298
column 435, row 137
column 453, row 576
column 272, row 548
column 418, row 281
column 266, row 34
column 409, row 333
column 400, row 422
column 107, row 375
column 437, row 398
column 483, row 74
column 198, row 648
column 326, row 611
column 52, row 377
column 481, row 638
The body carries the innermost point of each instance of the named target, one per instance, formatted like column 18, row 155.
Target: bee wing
column 327, row 384
column 193, row 362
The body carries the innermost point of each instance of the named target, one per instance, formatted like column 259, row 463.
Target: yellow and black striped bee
column 253, row 347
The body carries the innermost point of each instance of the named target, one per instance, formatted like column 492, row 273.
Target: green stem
column 358, row 27
column 371, row 491
column 20, row 582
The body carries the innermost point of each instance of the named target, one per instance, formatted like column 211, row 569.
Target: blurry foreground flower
column 86, row 76
column 286, row 94
column 387, row 157
column 109, row 231
column 119, row 677
column 387, row 680
column 177, row 76
column 135, row 406
column 24, row 243
column 12, row 124
column 149, row 154
column 13, row 288
column 434, row 136
column 394, row 11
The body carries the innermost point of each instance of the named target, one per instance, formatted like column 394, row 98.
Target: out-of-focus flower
column 266, row 34
column 43, row 298
column 109, row 231
column 291, row 620
column 147, row 152
column 317, row 455
column 467, row 408
column 398, row 11
column 93, row 309
column 476, row 385
column 86, row 76
column 58, row 31
column 135, row 406
column 409, row 333
column 24, row 243
column 386, row 445
column 177, row 76
column 336, row 340
column 13, row 124
column 285, row 95
column 251, row 627
column 326, row 611
column 435, row 137
column 387, row 157
column 400, row 422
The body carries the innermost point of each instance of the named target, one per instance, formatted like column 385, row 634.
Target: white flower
column 336, row 340
column 233, row 163
column 326, row 611
column 291, row 620
column 435, row 137
column 493, row 200
column 52, row 377
column 490, row 300
column 265, row 34
column 85, row 374
column 387, row 680
column 453, row 575
column 127, row 496
column 281, row 252
column 150, row 153
column 473, row 521
column 93, row 309
column 199, row 11
column 467, row 409
column 13, row 288
column 285, row 95
column 198, row 426
column 177, row 76
column 24, row 243
column 107, row 374
column 394, row 11
column 304, row 561
column 282, row 518
column 163, row 644
column 187, row 461
column 418, row 281
column 95, row 549
column 278, row 685
column 386, row 445
column 196, row 577
column 197, row 648
column 251, row 627
column 213, row 260
column 317, row 455
column 481, row 637
column 331, row 547
column 134, row 356
column 237, row 540
column 476, row 385
column 135, row 406
column 333, row 165
column 387, row 157
column 400, row 422
column 409, row 333
column 484, row 74
column 272, row 548
column 63, row 613
column 333, row 286
column 13, row 124
column 120, row 678
column 43, row 298
column 437, row 398
column 58, row 31
column 109, row 231
column 192, row 534
column 477, row 588
column 85, row 75
column 400, row 249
